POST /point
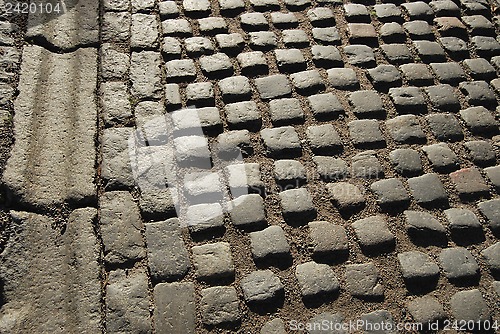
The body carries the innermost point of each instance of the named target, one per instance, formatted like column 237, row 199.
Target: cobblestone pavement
column 250, row 166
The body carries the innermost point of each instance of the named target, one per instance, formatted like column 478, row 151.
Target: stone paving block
column 334, row 320
column 205, row 218
column 297, row 206
column 168, row 9
column 213, row 261
column 201, row 187
column 230, row 43
column 445, row 8
column 253, row 21
column 284, row 20
column 478, row 93
column 397, row 53
column 328, row 35
column 115, row 104
column 418, row 30
column 390, row 192
column 180, row 70
column 157, row 204
column 175, row 309
column 366, row 165
column 263, row 40
column 457, row 48
column 142, row 6
column 120, row 228
column 197, row 46
column 177, row 28
column 429, row 51
column 324, row 139
column 261, row 286
column 200, row 93
column 423, row 228
column 366, row 133
column 405, row 129
column 426, row 310
column 116, row 26
column 171, row 48
column 387, row 12
column 281, row 142
column 127, row 302
column 492, row 256
column 265, row 5
column 295, row 38
column 243, row 178
column 480, row 69
column 189, row 121
column 252, row 63
column 212, row 25
column 55, row 163
column 289, row 173
column 406, row 162
column 479, row 120
column 417, row 267
column 166, row 263
column 273, row 86
column 275, row 326
column 116, row 5
column 479, row 25
column 217, row 65
column 172, row 96
column 325, row 106
column 196, row 7
column 384, row 76
column 330, row 168
column 367, row 104
column 373, row 234
column 56, row 275
column 360, row 55
column 443, row 97
column 470, row 306
column 450, row 26
column 392, row 32
column 491, row 210
column 372, row 320
column 481, row 152
column 416, row 74
column 343, row 78
column 469, row 183
column 450, row 73
column 458, row 263
column 328, row 240
column 427, row 189
column 320, row 16
column 418, row 10
column 316, row 279
column 285, row 111
column 445, row 127
column 356, row 12
column 297, row 4
column 486, row 46
column 192, row 151
column 236, row 88
column 269, row 243
column 290, row 60
column 463, row 223
column 241, row 115
column 408, row 100
column 231, row 7
column 219, row 305
column 326, row 56
column 143, row 32
column 493, row 174
column 116, row 168
column 362, row 33
column 346, row 196
column 145, row 74
column 307, row 82
column 114, row 63
column 247, row 211
column 363, row 281
column 442, row 158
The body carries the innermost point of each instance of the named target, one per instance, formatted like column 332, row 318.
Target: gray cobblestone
column 363, row 281
column 168, row 9
column 360, row 55
column 418, row 267
column 281, row 142
column 114, row 63
column 366, row 165
column 177, row 28
column 470, row 305
column 297, row 206
column 144, row 31
column 247, row 212
column 343, row 78
column 367, row 104
column 329, row 241
column 217, row 65
column 330, row 168
column 316, row 279
column 219, row 305
column 366, row 133
column 408, row 99
column 252, row 63
column 273, row 86
column 448, row 73
column 285, row 111
column 269, row 243
column 373, row 234
column 443, row 97
column 263, row 40
column 324, row 139
column 205, row 218
column 115, row 26
column 492, row 256
column 397, row 53
column 424, row 228
column 390, row 192
column 241, row 115
column 261, row 286
column 469, row 183
column 426, row 310
column 458, row 263
column 478, row 93
column 325, row 106
column 406, row 161
column 175, row 309
column 491, row 210
column 230, row 43
column 328, row 35
column 197, row 46
column 405, row 129
column 479, row 120
column 289, row 173
column 243, row 178
column 346, row 196
column 213, row 261
column 145, row 74
column 115, row 103
column 441, row 157
column 445, row 127
column 116, row 169
column 417, row 74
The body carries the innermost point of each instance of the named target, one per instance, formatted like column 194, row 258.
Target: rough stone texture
column 373, row 234
column 426, row 310
column 166, row 263
column 469, row 306
column 491, row 210
column 175, row 309
column 121, row 227
column 247, row 211
column 281, row 142
column 40, row 171
column 275, row 326
column 424, row 227
column 458, row 263
column 205, row 217
column 51, row 281
column 145, row 74
column 346, row 196
column 469, row 182
column 363, row 281
column 213, row 261
column 427, row 189
column 390, row 192
column 297, row 206
column 261, row 286
column 328, row 239
column 79, row 22
column 127, row 302
column 406, row 161
column 417, row 266
column 316, row 279
column 219, row 305
column 268, row 243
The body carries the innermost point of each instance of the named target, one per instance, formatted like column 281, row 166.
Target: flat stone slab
column 175, row 310
column 79, row 22
column 53, row 158
column 51, row 281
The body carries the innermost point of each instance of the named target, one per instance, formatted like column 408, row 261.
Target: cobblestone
column 273, row 86
column 325, row 106
column 324, row 139
column 346, row 196
column 343, row 78
column 442, row 158
column 445, row 127
column 418, row 267
column 416, row 74
column 405, row 129
column 366, row 165
column 247, row 211
column 408, row 99
column 390, row 192
column 261, row 286
column 479, row 120
column 478, row 93
column 316, row 279
column 269, row 243
column 219, row 305
column 175, row 307
column 281, row 142
column 426, row 310
column 285, row 111
column 469, row 182
column 328, row 240
column 469, row 306
column 424, row 228
column 458, row 263
column 213, row 261
column 363, row 281
column 366, row 133
column 373, row 234
column 406, row 161
column 297, row 206
column 443, row 97
column 243, row 115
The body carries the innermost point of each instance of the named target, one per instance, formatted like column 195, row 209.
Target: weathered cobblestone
column 213, row 261
column 261, row 286
column 297, row 206
column 316, row 279
column 363, row 281
column 219, row 305
column 175, row 309
column 269, row 243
